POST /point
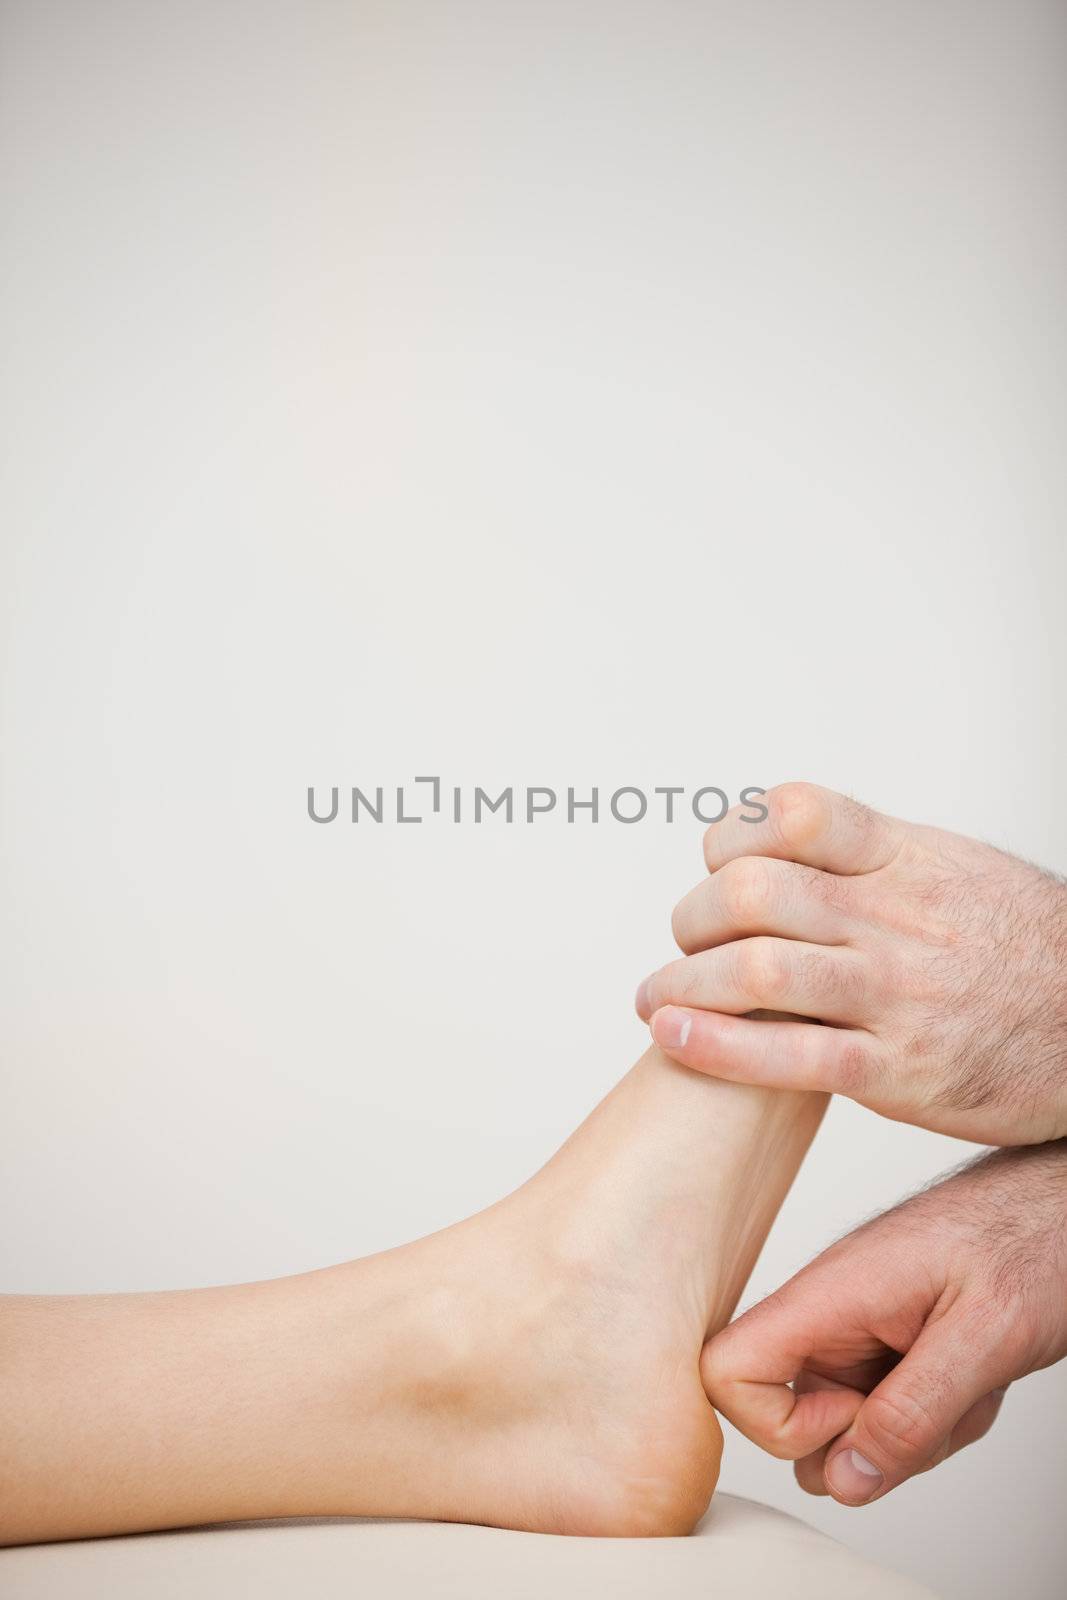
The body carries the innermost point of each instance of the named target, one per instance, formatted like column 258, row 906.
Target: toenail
column 851, row 1475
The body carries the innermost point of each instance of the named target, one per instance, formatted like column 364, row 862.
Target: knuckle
column 745, row 888
column 799, row 812
column 762, row 968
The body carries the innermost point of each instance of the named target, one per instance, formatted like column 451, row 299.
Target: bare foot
column 561, row 1330
column 536, row 1366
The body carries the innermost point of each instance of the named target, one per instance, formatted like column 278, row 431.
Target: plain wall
column 529, row 393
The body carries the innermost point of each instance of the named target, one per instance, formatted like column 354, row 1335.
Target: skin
column 937, row 968
column 900, row 1339
column 536, row 1366
column 937, row 964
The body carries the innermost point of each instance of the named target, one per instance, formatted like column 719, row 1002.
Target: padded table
column 741, row 1551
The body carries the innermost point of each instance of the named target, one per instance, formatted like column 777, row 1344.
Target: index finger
column 749, row 1368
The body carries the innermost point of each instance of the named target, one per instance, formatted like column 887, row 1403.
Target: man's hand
column 939, row 963
column 967, row 1281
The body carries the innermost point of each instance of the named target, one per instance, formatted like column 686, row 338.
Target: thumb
column 944, row 1393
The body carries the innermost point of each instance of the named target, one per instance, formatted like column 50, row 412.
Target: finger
column 908, row 1422
column 792, row 1372
column 763, row 974
column 750, row 1371
column 751, row 895
column 778, row 1055
column 808, row 1470
column 806, row 824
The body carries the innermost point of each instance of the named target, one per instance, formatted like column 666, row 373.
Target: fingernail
column 641, row 1001
column 671, row 1028
column 853, row 1476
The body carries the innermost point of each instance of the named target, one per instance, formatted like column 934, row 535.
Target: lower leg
column 535, row 1366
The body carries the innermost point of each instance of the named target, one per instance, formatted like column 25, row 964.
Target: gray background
column 533, row 393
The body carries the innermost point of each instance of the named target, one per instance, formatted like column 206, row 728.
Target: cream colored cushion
column 741, row 1551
